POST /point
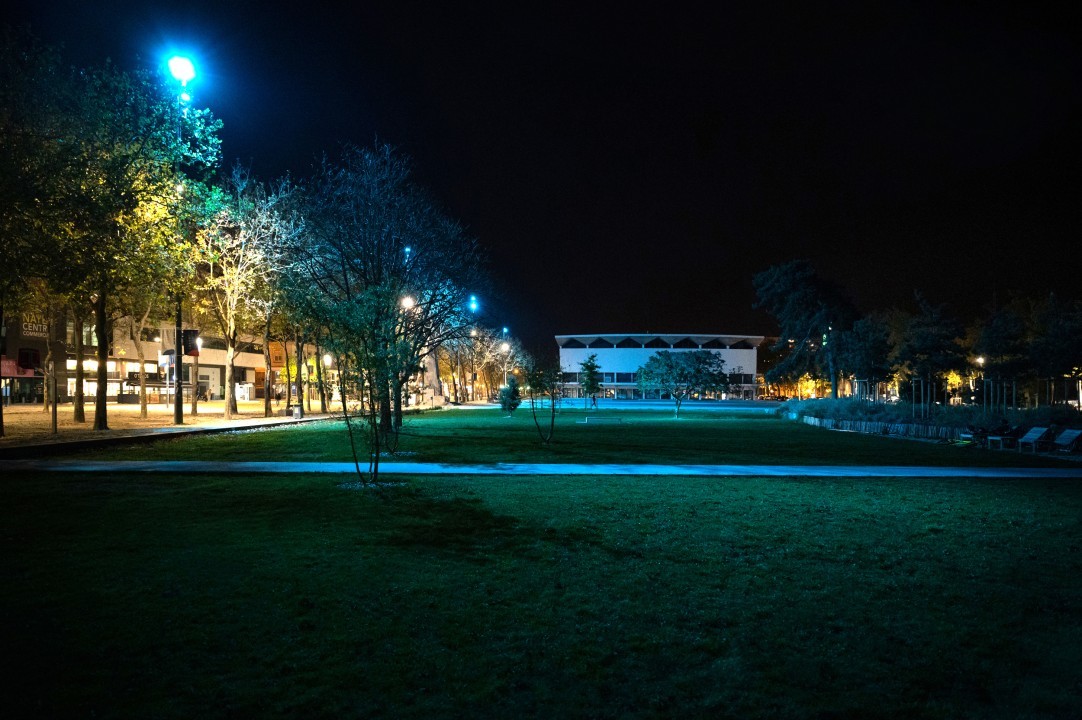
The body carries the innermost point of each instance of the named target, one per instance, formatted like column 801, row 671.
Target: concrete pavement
column 189, row 467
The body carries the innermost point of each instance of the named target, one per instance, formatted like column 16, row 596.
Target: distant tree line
column 1022, row 351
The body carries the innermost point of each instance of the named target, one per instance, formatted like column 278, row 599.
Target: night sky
column 631, row 170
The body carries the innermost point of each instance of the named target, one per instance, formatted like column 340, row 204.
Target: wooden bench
column 600, row 420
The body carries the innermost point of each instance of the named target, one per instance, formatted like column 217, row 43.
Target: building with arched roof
column 620, row 356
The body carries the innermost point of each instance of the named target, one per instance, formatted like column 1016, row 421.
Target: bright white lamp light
column 182, row 69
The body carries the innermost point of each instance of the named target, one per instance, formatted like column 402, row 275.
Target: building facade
column 621, row 355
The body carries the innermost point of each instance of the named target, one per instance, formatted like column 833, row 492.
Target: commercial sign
column 35, row 325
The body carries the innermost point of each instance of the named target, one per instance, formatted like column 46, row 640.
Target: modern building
column 30, row 341
column 621, row 355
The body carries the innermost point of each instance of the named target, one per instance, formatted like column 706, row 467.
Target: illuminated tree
column 510, row 396
column 384, row 275
column 103, row 145
column 238, row 261
column 683, row 374
column 589, row 378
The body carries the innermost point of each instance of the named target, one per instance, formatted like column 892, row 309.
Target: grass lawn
column 609, row 597
column 487, row 436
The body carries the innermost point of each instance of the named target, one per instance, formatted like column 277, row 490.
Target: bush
column 947, row 415
column 510, row 397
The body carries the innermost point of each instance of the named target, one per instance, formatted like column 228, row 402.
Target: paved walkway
column 188, row 467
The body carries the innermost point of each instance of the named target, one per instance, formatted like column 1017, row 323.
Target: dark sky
column 631, row 170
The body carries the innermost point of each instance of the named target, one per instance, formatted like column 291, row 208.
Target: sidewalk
column 190, row 467
column 27, row 429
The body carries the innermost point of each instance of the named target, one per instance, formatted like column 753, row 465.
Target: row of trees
column 1022, row 350
column 112, row 207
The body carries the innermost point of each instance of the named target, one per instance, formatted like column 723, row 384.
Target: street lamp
column 183, row 71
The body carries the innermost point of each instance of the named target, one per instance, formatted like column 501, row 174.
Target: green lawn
column 176, row 597
column 487, row 436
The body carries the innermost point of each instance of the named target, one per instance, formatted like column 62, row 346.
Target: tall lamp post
column 183, row 71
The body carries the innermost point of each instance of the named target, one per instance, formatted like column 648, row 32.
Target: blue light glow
column 182, row 69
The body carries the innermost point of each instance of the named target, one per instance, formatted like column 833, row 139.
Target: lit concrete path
column 188, row 467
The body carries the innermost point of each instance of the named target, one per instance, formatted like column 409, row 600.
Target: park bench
column 600, row 420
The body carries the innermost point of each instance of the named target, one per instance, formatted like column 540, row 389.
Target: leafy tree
column 865, row 351
column 32, row 125
column 589, row 378
column 103, row 146
column 683, row 374
column 510, row 396
column 929, row 348
column 1055, row 349
column 1002, row 344
column 810, row 312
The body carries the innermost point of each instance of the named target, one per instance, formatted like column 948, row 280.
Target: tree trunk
column 78, row 412
column 320, row 379
column 49, row 370
column 397, row 386
column 140, row 353
column 230, row 353
column 101, row 321
column 268, row 379
column 297, row 355
column 303, row 351
column 386, row 422
column 289, row 379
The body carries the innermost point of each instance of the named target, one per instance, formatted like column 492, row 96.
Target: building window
column 686, row 344
column 625, row 377
column 629, row 343
column 573, row 343
column 600, row 343
column 29, row 359
column 714, row 344
column 656, row 343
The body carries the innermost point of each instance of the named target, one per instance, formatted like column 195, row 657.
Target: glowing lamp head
column 473, row 303
column 504, row 347
column 408, row 303
column 182, row 69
